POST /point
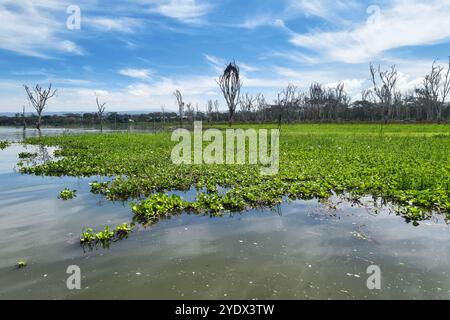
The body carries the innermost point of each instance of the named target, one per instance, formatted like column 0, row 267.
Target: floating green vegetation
column 408, row 165
column 159, row 205
column 27, row 155
column 67, row 194
column 4, row 144
column 91, row 238
column 21, row 264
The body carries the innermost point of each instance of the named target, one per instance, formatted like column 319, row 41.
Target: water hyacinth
column 4, row 144
column 67, row 194
column 404, row 164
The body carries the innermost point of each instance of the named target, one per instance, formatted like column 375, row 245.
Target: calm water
column 301, row 251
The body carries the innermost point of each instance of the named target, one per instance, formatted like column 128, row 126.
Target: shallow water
column 303, row 250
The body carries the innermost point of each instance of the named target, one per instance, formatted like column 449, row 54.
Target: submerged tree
column 180, row 103
column 100, row 111
column 230, row 84
column 38, row 98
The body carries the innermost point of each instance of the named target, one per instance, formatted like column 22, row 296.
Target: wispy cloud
column 404, row 23
column 258, row 21
column 143, row 74
column 187, row 11
column 70, row 47
column 29, row 28
column 117, row 24
column 330, row 10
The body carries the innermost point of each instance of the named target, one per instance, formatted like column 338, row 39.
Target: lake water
column 303, row 250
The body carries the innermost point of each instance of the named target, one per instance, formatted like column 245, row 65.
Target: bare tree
column 385, row 90
column 196, row 112
column 163, row 110
column 100, row 111
column 230, row 84
column 24, row 121
column 246, row 103
column 436, row 87
column 209, row 110
column 445, row 90
column 367, row 95
column 38, row 98
column 286, row 101
column 261, row 107
column 180, row 103
column 216, row 109
column 189, row 112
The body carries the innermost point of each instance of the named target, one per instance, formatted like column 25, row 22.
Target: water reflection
column 298, row 250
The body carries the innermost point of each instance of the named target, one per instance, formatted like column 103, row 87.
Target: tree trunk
column 38, row 124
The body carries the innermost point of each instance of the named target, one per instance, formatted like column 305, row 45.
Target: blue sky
column 134, row 54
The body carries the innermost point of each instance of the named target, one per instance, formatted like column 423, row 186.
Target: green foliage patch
column 407, row 165
column 104, row 237
column 67, row 194
column 4, row 144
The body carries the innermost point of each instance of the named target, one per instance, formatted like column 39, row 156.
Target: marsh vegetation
column 407, row 165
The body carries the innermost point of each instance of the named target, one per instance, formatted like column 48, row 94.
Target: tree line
column 383, row 102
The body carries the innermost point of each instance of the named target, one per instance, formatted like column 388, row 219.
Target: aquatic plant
column 98, row 187
column 67, row 194
column 4, row 144
column 105, row 235
column 87, row 236
column 159, row 205
column 27, row 155
column 91, row 238
column 122, row 230
column 407, row 165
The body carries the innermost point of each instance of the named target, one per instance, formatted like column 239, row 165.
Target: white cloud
column 325, row 9
column 143, row 74
column 248, row 68
column 218, row 62
column 120, row 24
column 30, row 28
column 404, row 23
column 259, row 21
column 70, row 47
column 188, row 11
column 294, row 56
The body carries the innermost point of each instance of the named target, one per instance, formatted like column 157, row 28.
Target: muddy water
column 303, row 250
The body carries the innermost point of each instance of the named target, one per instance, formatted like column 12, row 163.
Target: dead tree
column 286, row 101
column 246, row 103
column 436, row 87
column 24, row 119
column 190, row 112
column 209, row 110
column 196, row 112
column 230, row 84
column 445, row 90
column 216, row 109
column 38, row 98
column 100, row 111
column 385, row 90
column 366, row 95
column 180, row 103
column 261, row 107
column 163, row 111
